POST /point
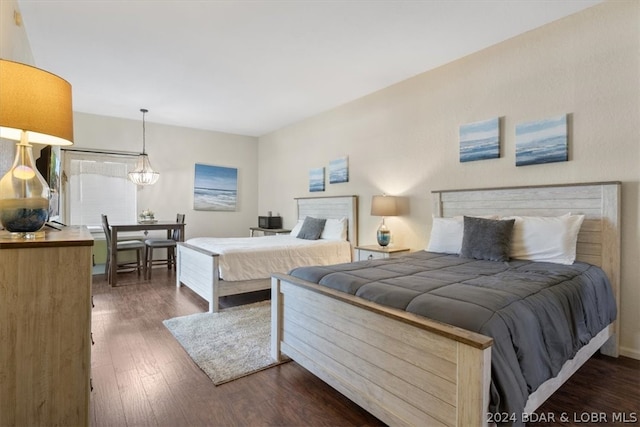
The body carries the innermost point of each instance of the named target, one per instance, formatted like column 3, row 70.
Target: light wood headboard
column 332, row 207
column 599, row 238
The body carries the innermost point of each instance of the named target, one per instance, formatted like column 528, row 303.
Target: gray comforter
column 539, row 314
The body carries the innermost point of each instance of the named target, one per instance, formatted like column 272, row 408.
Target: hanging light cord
column 144, row 111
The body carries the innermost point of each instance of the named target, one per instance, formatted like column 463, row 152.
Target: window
column 97, row 183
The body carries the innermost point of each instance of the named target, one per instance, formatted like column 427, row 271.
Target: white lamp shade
column 384, row 206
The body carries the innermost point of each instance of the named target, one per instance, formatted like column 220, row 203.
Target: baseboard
column 630, row 352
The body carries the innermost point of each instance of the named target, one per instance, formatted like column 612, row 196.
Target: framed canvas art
column 480, row 140
column 316, row 179
column 542, row 141
column 339, row 170
column 215, row 188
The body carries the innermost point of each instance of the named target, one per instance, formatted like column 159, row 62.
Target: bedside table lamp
column 384, row 206
column 35, row 106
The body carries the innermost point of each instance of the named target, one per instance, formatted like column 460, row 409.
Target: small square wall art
column 316, row 179
column 339, row 170
column 542, row 141
column 480, row 140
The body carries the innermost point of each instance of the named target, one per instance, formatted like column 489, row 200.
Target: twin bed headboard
column 332, row 207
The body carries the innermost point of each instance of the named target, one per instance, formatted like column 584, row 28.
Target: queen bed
column 435, row 365
column 217, row 267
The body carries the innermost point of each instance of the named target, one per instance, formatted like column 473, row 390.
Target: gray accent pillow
column 311, row 228
column 486, row 239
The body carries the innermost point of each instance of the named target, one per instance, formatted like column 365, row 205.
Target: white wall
column 403, row 140
column 174, row 151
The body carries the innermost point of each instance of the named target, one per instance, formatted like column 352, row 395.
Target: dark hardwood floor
column 142, row 376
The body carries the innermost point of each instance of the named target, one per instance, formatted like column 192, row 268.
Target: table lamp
column 35, row 106
column 384, row 206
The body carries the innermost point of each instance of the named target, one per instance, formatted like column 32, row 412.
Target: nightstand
column 268, row 231
column 378, row 252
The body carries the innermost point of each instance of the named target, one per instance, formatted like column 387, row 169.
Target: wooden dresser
column 45, row 328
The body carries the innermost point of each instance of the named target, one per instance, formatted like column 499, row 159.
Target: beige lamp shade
column 384, row 206
column 34, row 101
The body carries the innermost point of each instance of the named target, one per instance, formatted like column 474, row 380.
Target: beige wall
column 403, row 140
column 173, row 151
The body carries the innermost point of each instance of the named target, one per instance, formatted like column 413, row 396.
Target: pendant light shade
column 143, row 174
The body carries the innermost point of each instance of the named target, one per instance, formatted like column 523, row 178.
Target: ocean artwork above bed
column 480, row 140
column 339, row 170
column 542, row 141
column 215, row 188
column 316, row 179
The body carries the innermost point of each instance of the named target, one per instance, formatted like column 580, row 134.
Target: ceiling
column 252, row 67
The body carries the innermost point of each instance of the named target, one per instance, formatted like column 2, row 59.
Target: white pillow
column 296, row 228
column 446, row 234
column 335, row 229
column 546, row 239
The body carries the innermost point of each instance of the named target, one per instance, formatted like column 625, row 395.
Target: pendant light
column 143, row 174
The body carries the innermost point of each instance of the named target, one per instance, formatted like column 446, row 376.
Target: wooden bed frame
column 409, row 370
column 198, row 268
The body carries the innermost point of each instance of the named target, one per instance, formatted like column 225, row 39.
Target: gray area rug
column 227, row 345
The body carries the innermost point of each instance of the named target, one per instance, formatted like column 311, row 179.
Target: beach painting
column 542, row 141
column 316, row 179
column 215, row 188
column 339, row 170
column 480, row 140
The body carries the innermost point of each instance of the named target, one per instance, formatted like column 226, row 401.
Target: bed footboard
column 198, row 270
column 402, row 368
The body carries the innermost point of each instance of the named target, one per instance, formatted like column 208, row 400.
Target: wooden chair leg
column 143, row 266
column 107, row 269
column 149, row 262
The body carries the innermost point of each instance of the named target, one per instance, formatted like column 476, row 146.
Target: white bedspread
column 246, row 258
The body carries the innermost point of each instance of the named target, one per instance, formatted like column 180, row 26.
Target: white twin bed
column 216, row 267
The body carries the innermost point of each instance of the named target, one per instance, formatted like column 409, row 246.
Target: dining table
column 145, row 226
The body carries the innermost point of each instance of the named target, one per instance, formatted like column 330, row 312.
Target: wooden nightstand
column 378, row 252
column 268, row 231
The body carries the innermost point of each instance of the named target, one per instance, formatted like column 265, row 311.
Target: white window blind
column 98, row 184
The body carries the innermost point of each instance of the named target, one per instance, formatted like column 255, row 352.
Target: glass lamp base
column 24, row 194
column 24, row 219
column 27, row 235
column 384, row 237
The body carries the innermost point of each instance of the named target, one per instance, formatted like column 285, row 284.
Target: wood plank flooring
column 142, row 376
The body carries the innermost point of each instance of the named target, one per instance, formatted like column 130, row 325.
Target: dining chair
column 169, row 244
column 123, row 246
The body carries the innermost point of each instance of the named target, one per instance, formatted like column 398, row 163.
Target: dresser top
column 67, row 236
